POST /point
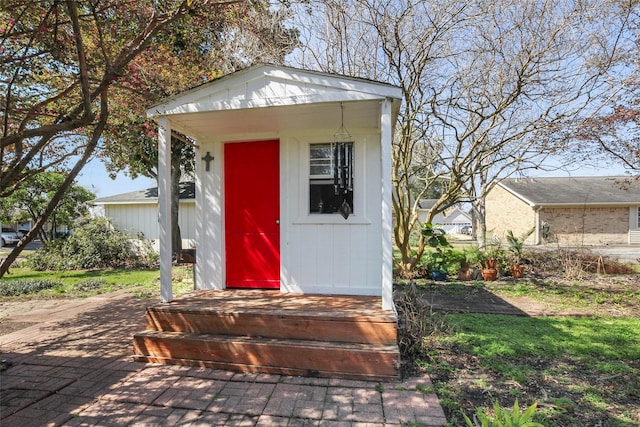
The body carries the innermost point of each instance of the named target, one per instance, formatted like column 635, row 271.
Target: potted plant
column 467, row 259
column 438, row 263
column 490, row 272
column 493, row 254
column 440, row 259
column 515, row 248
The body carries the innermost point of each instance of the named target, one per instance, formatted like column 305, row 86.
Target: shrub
column 94, row 243
column 90, row 284
column 23, row 287
column 418, row 326
column 49, row 257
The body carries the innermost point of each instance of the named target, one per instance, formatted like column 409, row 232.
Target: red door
column 252, row 214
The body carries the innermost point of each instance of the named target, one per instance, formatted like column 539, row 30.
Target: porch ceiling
column 357, row 115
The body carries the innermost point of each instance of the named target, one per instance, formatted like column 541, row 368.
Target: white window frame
column 306, row 217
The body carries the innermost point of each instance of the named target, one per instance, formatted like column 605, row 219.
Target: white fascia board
column 586, row 204
column 128, row 202
column 207, row 105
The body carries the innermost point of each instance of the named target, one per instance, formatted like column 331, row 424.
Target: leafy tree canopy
column 33, row 196
column 64, row 64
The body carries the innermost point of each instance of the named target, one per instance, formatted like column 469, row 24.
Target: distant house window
column 330, row 177
column 638, row 218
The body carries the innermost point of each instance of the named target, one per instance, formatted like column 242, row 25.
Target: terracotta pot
column 517, row 271
column 489, row 274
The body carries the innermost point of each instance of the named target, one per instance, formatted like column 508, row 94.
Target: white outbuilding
column 293, row 181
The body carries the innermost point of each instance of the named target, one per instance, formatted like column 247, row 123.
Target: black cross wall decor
column 208, row 158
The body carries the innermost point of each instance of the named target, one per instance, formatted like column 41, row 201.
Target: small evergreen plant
column 504, row 417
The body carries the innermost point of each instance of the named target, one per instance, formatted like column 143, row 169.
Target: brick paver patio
column 73, row 367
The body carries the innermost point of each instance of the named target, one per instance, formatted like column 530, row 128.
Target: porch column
column 387, row 221
column 164, row 207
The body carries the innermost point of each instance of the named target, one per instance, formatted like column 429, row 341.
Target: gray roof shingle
column 149, row 195
column 587, row 190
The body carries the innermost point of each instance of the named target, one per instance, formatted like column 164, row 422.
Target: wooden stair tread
column 257, row 354
column 269, row 341
column 274, row 325
column 370, row 316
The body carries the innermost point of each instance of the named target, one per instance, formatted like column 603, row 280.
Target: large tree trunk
column 176, row 237
column 176, row 174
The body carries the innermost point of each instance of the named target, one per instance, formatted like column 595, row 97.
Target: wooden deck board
column 275, row 300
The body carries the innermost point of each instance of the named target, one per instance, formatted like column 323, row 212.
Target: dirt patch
column 18, row 314
column 594, row 295
column 7, row 327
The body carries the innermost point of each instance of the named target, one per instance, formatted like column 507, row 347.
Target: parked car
column 467, row 229
column 9, row 236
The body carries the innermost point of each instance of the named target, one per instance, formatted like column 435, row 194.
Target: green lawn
column 504, row 340
column 83, row 283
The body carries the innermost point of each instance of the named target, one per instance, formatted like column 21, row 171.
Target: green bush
column 94, row 243
column 23, row 287
column 90, row 284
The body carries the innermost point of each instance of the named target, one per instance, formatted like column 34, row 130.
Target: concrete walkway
column 71, row 365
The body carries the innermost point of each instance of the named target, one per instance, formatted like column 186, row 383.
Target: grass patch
column 84, row 283
column 499, row 338
column 581, row 370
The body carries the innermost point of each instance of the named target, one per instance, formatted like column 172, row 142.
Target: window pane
column 321, row 160
column 322, row 183
column 322, row 198
column 321, row 167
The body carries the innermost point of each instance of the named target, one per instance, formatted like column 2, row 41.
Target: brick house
column 571, row 211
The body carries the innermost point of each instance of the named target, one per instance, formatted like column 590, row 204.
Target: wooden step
column 269, row 355
column 342, row 336
column 369, row 328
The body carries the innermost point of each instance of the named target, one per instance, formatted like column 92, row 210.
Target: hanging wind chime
column 342, row 165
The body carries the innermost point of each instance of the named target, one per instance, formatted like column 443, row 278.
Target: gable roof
column 147, row 196
column 267, row 97
column 457, row 216
column 574, row 191
column 426, row 204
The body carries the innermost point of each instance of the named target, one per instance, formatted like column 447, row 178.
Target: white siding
column 324, row 253
column 143, row 218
